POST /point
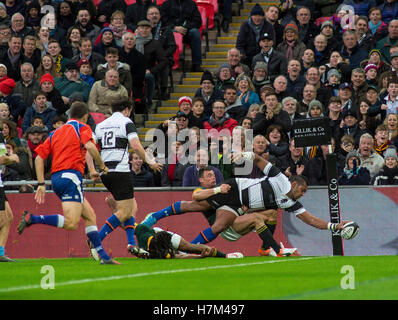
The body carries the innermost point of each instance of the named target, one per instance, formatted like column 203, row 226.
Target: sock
column 271, row 227
column 55, row 220
column 175, row 208
column 129, row 224
column 268, row 240
column 93, row 235
column 111, row 224
column 219, row 254
column 2, row 251
column 205, row 236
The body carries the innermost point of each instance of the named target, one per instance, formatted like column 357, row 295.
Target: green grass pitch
column 250, row 278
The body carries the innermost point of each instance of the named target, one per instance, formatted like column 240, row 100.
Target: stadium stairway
column 190, row 81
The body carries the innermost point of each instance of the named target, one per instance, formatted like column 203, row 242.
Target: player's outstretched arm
column 319, row 223
column 203, row 194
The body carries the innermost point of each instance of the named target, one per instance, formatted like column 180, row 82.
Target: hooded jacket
column 47, row 115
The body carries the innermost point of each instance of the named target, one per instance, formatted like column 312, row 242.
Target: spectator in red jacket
column 219, row 120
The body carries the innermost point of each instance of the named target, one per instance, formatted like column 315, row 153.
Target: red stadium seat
column 98, row 117
column 97, row 2
column 180, row 48
column 207, row 7
column 319, row 21
column 159, row 2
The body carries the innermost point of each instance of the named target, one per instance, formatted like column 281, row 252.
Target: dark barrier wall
column 374, row 209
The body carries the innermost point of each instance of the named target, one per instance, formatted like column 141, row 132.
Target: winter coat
column 66, row 87
column 358, row 176
column 124, row 74
column 47, row 115
column 181, row 13
column 225, row 123
column 277, row 63
column 356, row 57
column 386, row 176
column 261, row 123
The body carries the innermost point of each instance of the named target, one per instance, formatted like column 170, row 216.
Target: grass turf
column 251, row 278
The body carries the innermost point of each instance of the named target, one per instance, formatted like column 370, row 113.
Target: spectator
column 5, row 35
column 52, row 94
column 246, row 123
column 112, row 62
column 260, row 77
column 135, row 59
column 35, row 137
column 141, row 177
column 327, row 30
column 323, row 93
column 40, row 107
column 365, row 39
column 271, row 113
column 371, row 74
column 253, row 110
column 388, row 41
column 106, row 40
column 184, row 18
column 333, row 81
column 13, row 7
column 354, row 173
column 185, row 106
column 359, row 85
column 322, row 55
column 70, row 84
column 72, row 44
column 307, row 60
column 309, row 94
column 276, row 61
column 198, row 107
column 345, row 94
column 65, row 15
column 105, row 91
column 237, row 67
column 375, row 58
column 191, row 177
column 4, row 111
column 42, row 39
column 295, row 81
column 155, row 59
column 31, row 54
column 85, row 23
column 165, row 35
column 137, row 12
column 388, row 174
column 173, row 172
column 23, row 168
column 365, row 121
column 249, row 34
column 306, row 29
column 278, row 145
column 13, row 57
column 351, row 49
column 107, row 7
column 47, row 65
column 4, row 17
column 85, row 71
column 272, row 16
column 246, row 92
column 289, row 104
column 28, row 85
column 291, row 44
column 280, row 87
column 14, row 102
column 378, row 28
column 219, row 120
column 317, row 169
column 391, row 121
column 54, row 49
column 381, row 141
column 388, row 11
column 18, row 26
column 333, row 112
column 118, row 26
column 235, row 109
column 9, row 132
column 369, row 158
column 293, row 162
column 389, row 103
column 350, row 126
column 224, row 77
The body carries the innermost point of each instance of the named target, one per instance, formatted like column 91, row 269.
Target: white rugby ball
column 350, row 230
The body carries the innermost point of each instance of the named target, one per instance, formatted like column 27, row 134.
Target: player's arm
column 203, row 194
column 92, row 149
column 150, row 160
column 41, row 189
column 91, row 167
column 319, row 223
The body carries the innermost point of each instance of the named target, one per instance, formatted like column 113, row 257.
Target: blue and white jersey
column 114, row 135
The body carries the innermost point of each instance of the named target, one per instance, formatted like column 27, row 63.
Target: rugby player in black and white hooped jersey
column 114, row 135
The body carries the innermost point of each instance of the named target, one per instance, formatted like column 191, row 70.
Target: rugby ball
column 350, row 230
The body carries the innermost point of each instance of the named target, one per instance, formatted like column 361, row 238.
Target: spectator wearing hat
column 155, row 60
column 52, row 94
column 42, row 108
column 104, row 92
column 185, row 106
column 208, row 92
column 184, row 18
column 224, row 77
column 353, row 173
column 333, row 112
column 388, row 174
column 276, row 61
column 246, row 92
column 388, row 41
column 112, row 62
column 333, row 41
column 375, row 58
column 291, row 44
column 394, row 61
column 28, row 85
column 136, row 12
column 315, row 109
column 333, row 80
column 350, row 126
column 260, row 77
column 70, row 84
column 345, row 94
column 106, row 40
column 14, row 102
column 371, row 74
column 85, row 71
column 249, row 34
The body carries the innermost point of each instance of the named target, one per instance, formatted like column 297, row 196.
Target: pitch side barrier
column 375, row 209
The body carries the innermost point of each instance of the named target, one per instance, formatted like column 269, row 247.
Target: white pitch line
column 145, row 274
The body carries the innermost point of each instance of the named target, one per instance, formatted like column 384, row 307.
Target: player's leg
column 5, row 224
column 94, row 240
column 225, row 217
column 176, row 208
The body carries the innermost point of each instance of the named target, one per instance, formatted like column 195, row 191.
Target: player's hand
column 104, row 170
column 40, row 194
column 156, row 167
column 340, row 226
column 225, row 188
column 207, row 252
column 95, row 176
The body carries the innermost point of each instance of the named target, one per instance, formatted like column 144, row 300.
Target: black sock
column 268, row 241
column 271, row 227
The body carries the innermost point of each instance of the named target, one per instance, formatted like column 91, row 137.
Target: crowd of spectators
column 293, row 60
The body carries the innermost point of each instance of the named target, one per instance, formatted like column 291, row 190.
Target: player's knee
column 71, row 224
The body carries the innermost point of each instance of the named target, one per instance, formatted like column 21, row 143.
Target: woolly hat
column 83, row 61
column 350, row 112
column 370, row 66
column 373, row 51
column 327, row 23
column 184, row 99
column 315, row 103
column 6, row 86
column 207, row 76
column 261, row 65
column 390, row 153
column 3, row 66
column 47, row 77
column 291, row 26
column 257, row 10
column 353, row 153
column 333, row 72
column 106, row 29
